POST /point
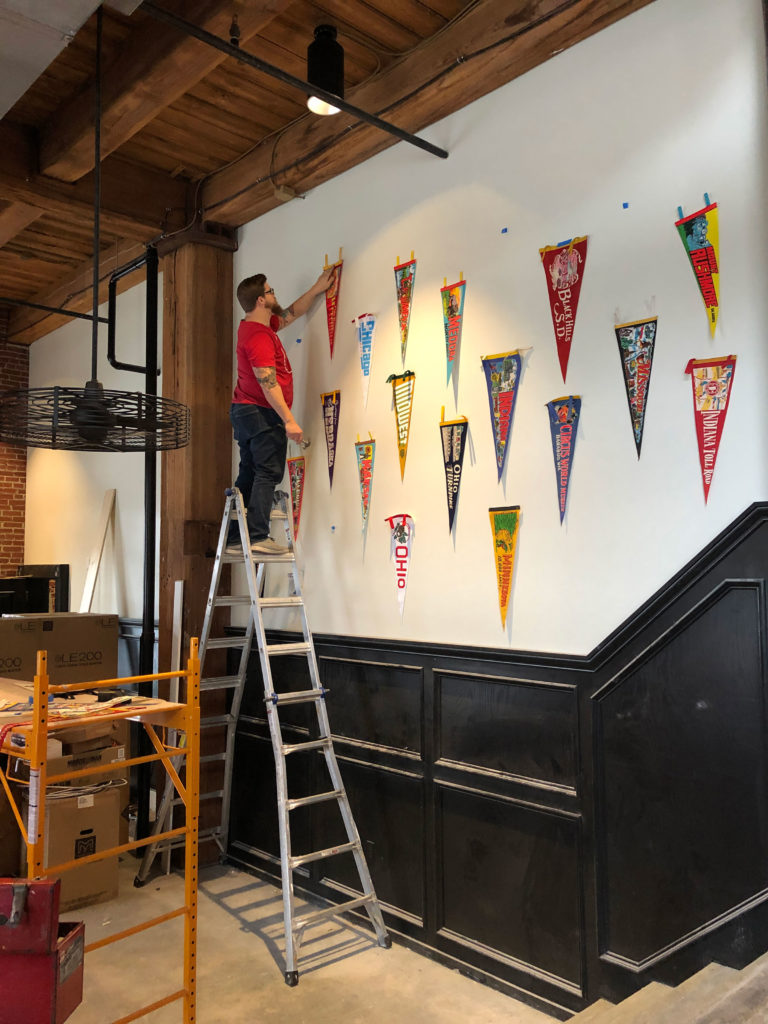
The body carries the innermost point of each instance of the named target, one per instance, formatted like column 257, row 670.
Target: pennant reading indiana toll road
column 405, row 278
column 331, row 407
column 502, row 376
column 332, row 301
column 563, row 421
column 637, row 341
column 296, row 467
column 401, row 546
column 452, row 297
column 700, row 236
column 403, row 386
column 366, row 454
column 365, row 324
column 711, row 380
column 453, row 435
column 564, row 268
column 505, row 523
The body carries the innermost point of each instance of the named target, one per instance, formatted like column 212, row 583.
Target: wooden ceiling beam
column 14, row 217
column 498, row 40
column 157, row 65
column 137, row 202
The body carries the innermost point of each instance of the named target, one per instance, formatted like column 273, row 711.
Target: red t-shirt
column 258, row 345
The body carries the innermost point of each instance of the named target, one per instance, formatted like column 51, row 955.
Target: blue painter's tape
column 566, row 242
column 504, row 231
column 625, row 206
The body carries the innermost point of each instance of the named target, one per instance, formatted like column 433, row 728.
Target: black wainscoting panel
column 522, row 728
column 510, row 880
column 682, row 769
column 375, row 702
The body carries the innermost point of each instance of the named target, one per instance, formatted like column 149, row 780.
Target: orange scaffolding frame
column 154, row 715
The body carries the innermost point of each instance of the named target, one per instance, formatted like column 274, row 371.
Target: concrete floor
column 345, row 977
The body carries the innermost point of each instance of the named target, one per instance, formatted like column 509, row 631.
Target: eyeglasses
column 270, row 291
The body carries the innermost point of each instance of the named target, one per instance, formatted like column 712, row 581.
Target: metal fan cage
column 81, row 419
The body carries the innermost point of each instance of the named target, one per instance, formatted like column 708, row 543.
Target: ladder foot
column 139, row 882
column 292, row 978
column 385, row 942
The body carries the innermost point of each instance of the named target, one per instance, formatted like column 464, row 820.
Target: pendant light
column 325, row 68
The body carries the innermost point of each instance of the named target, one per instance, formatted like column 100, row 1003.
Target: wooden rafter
column 14, row 217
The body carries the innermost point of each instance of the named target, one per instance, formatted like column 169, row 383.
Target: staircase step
column 746, row 995
column 598, row 1011
column 698, row 990
column 651, row 999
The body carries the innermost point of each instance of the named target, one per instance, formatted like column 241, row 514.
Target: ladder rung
column 213, row 757
column 220, row 642
column 295, row 696
column 228, row 600
column 206, row 723
column 322, row 915
column 292, row 748
column 332, row 851
column 219, row 682
column 297, row 648
column 280, row 602
column 316, row 798
column 277, row 514
column 287, row 557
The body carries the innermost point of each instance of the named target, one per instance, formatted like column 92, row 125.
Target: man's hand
column 324, row 282
column 293, row 430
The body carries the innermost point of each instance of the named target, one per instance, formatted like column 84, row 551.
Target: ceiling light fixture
column 325, row 68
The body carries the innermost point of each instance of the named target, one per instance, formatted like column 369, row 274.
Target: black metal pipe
column 120, row 272
column 297, row 83
column 96, row 198
column 51, row 309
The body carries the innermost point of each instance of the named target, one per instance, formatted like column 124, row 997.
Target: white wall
column 654, row 111
column 65, row 490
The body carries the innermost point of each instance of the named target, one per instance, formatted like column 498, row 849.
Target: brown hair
column 250, row 290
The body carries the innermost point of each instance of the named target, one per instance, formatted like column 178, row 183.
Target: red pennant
column 564, row 267
column 711, row 381
column 332, row 300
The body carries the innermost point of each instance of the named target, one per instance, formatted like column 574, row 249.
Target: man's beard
column 277, row 309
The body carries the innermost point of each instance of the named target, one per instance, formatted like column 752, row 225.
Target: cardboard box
column 95, row 759
column 79, row 826
column 81, row 646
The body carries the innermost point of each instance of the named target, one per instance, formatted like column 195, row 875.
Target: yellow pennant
column 505, row 523
column 403, row 386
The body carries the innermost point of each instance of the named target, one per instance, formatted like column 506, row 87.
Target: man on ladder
column 261, row 406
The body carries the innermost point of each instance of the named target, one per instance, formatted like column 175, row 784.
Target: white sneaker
column 268, row 547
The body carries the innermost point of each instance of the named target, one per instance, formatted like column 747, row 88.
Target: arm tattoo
column 290, row 310
column 266, row 376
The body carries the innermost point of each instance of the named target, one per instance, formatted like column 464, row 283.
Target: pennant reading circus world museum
column 403, row 386
column 453, row 435
column 400, row 548
column 711, row 380
column 637, row 341
column 331, row 406
column 296, row 468
column 405, row 278
column 332, row 299
column 505, row 523
column 564, row 268
column 452, row 297
column 700, row 236
column 502, row 376
column 366, row 325
column 366, row 453
column 563, row 421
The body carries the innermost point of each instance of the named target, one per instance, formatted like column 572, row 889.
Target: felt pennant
column 405, row 277
column 711, row 380
column 502, row 376
column 403, row 386
column 365, row 325
column 332, row 298
column 505, row 524
column 296, row 468
column 563, row 420
column 366, row 454
column 400, row 549
column 453, row 434
column 564, row 268
column 331, row 407
column 452, row 296
column 700, row 236
column 637, row 341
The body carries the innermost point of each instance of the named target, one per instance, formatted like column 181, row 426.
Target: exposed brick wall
column 14, row 373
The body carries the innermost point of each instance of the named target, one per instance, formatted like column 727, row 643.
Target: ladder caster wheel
column 291, row 979
column 386, row 942
column 138, row 882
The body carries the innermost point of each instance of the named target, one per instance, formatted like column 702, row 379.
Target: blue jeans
column 261, row 438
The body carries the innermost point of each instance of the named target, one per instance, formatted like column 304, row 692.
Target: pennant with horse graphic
column 505, row 524
column 331, row 407
column 400, row 549
column 700, row 236
column 564, row 268
column 563, row 420
column 332, row 298
column 502, row 376
column 366, row 453
column 453, row 434
column 403, row 386
column 637, row 341
column 452, row 296
column 365, row 325
column 711, row 380
column 296, row 468
column 405, row 278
